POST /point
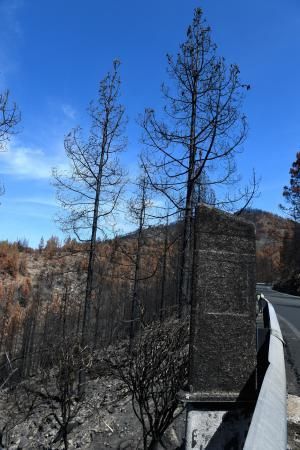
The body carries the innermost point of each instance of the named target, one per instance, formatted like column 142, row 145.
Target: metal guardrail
column 268, row 429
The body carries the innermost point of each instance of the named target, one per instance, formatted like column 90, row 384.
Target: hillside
column 41, row 312
column 48, row 271
column 271, row 233
column 42, row 291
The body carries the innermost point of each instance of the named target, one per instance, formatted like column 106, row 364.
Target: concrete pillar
column 222, row 374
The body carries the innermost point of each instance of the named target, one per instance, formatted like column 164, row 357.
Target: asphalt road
column 287, row 308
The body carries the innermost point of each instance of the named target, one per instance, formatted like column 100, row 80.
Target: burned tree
column 57, row 385
column 138, row 208
column 9, row 118
column 137, row 271
column 201, row 129
column 154, row 372
column 91, row 191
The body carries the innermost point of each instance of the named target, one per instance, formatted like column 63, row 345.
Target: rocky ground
column 105, row 421
column 293, row 408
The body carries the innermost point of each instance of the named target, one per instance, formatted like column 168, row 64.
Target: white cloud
column 30, row 163
column 68, row 111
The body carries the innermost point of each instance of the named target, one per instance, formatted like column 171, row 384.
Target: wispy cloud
column 10, row 30
column 37, row 201
column 68, row 111
column 9, row 10
column 30, row 163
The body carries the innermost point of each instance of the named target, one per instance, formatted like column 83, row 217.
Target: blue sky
column 53, row 54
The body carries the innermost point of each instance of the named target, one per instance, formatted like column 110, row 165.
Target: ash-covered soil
column 105, row 421
column 293, row 410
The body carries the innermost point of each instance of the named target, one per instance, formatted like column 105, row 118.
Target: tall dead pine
column 90, row 191
column 199, row 133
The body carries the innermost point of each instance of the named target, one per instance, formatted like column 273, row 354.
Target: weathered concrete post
column 223, row 331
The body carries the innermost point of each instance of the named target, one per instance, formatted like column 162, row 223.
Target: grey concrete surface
column 223, row 333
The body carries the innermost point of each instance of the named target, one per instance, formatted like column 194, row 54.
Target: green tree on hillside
column 291, row 193
column 290, row 253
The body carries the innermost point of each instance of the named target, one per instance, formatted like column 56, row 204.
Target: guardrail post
column 222, row 375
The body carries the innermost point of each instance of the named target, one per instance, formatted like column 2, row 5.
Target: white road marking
column 290, row 325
